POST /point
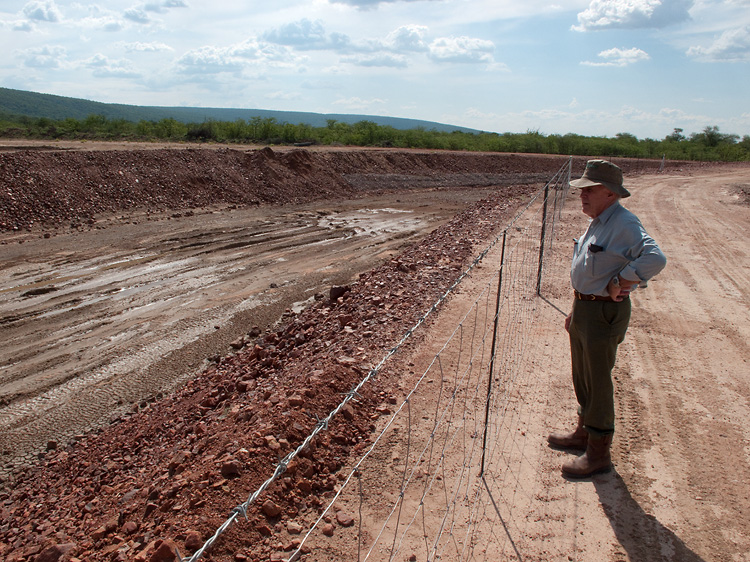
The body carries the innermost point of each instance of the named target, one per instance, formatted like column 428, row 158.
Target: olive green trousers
column 596, row 329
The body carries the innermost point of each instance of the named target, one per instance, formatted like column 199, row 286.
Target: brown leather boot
column 595, row 460
column 575, row 440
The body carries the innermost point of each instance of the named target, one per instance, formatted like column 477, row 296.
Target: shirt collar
column 607, row 213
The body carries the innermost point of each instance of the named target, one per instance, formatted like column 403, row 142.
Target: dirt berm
column 63, row 188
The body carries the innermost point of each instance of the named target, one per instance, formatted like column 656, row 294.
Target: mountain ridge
column 38, row 105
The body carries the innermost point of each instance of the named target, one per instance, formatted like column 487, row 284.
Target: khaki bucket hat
column 602, row 172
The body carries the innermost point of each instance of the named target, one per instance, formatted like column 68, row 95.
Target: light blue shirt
column 615, row 243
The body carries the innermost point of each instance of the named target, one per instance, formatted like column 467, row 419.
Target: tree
column 711, row 137
column 676, row 135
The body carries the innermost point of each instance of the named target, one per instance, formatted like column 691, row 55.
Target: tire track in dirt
column 684, row 391
column 682, row 396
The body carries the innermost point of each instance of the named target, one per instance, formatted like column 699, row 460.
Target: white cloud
column 408, row 38
column 632, row 14
column 305, row 34
column 99, row 18
column 358, row 104
column 235, row 58
column 208, row 60
column 262, row 52
column 462, row 49
column 103, row 67
column 42, row 10
column 137, row 15
column 45, row 57
column 381, row 59
column 24, row 25
column 390, row 51
column 732, row 46
column 619, row 57
column 152, row 47
column 283, row 95
column 161, row 7
column 371, row 4
column 111, row 25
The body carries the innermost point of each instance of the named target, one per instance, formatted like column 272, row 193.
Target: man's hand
column 568, row 318
column 619, row 288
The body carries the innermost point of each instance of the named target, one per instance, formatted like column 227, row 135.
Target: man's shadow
column 642, row 536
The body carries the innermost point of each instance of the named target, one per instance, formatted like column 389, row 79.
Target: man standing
column 613, row 257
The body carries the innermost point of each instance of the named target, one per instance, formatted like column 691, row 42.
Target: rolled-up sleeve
column 623, row 247
column 646, row 259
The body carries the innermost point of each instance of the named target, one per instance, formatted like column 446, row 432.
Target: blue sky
column 590, row 67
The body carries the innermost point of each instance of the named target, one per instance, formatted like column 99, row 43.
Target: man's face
column 596, row 199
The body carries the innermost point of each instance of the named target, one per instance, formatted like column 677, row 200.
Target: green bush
column 709, row 145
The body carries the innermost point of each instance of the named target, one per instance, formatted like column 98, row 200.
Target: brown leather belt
column 582, row 297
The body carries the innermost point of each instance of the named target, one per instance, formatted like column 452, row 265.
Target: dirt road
column 681, row 490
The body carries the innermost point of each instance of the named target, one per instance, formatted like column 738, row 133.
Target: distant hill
column 33, row 104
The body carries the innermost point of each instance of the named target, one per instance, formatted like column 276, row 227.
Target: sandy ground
column 680, row 490
column 683, row 384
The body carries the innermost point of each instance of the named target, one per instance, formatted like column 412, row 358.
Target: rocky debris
column 55, row 552
column 162, row 479
column 337, row 292
column 161, row 551
column 193, row 541
column 72, row 189
column 271, row 509
column 344, row 519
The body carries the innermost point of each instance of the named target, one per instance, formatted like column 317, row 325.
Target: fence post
column 541, row 243
column 492, row 351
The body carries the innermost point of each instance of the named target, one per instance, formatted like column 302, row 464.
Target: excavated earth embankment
column 48, row 189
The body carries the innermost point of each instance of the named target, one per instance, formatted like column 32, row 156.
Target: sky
column 588, row 67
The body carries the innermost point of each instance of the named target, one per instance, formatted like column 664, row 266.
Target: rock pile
column 163, row 478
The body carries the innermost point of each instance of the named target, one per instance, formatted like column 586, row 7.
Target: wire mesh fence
column 443, row 476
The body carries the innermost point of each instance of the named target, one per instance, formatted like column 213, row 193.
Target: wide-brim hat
column 602, row 172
